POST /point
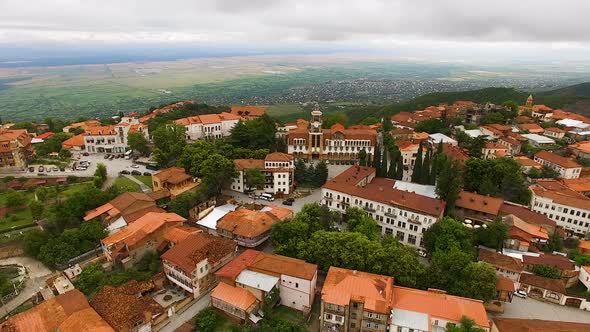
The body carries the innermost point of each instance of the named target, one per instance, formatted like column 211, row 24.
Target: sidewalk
column 142, row 186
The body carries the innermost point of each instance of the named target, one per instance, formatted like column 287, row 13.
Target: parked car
column 147, row 174
column 287, row 202
column 134, row 172
column 267, row 197
column 117, row 156
column 54, row 169
column 422, row 253
column 31, row 169
column 134, row 166
column 151, row 167
column 522, row 294
column 106, row 156
column 41, row 174
column 41, row 169
column 112, row 157
column 85, row 154
column 62, row 169
column 124, row 172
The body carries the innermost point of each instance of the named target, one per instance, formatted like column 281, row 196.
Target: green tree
column 14, row 199
column 417, row 171
column 478, row 281
column 447, row 234
column 289, row 235
column 254, row 178
column 138, row 142
column 208, row 320
column 255, row 134
column 549, row 173
column 65, row 153
column 359, row 221
column 320, row 175
column 448, row 184
column 370, row 120
column 300, row 171
column 432, row 126
column 34, row 240
column 402, row 263
column 555, row 242
column 36, row 209
column 169, row 142
column 547, row 271
column 465, row 325
column 493, row 117
column 377, row 158
column 362, row 155
column 218, row 173
column 334, row 118
column 425, row 176
column 193, row 156
column 100, row 175
column 492, row 236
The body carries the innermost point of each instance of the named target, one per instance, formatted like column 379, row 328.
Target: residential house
column 177, row 234
column 506, row 266
column 432, row 310
column 538, row 140
column 235, row 301
column 123, row 210
column 251, row 228
column 82, row 125
column 283, row 130
column 569, row 209
column 530, row 217
column 554, row 132
column 68, row 312
column 580, row 185
column 74, row 143
column 16, row 149
column 480, row 208
column 42, row 137
column 355, row 301
column 145, row 234
column 567, row 268
column 175, row 180
column 566, row 167
column 580, row 149
column 493, row 150
column 208, row 126
column 505, row 288
column 522, row 234
column 512, row 144
column 403, row 214
column 296, row 278
column 527, row 163
column 552, row 290
column 542, row 112
column 531, row 128
column 278, row 169
column 501, row 324
column 455, row 154
column 248, row 112
column 437, row 138
column 128, row 308
column 190, row 264
column 336, row 145
column 491, row 132
column 584, row 276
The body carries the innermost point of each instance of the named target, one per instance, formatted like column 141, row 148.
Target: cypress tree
column 382, row 172
column 425, row 176
column 391, row 173
column 417, row 170
column 377, row 158
column 399, row 169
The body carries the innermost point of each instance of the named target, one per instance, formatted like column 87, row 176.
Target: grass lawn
column 74, row 188
column 16, row 218
column 124, row 184
column 147, row 180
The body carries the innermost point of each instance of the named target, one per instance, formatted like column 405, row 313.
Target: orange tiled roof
column 531, row 127
column 278, row 156
column 581, row 146
column 197, row 247
column 237, row 265
column 68, row 312
column 75, row 141
column 527, row 215
column 580, row 185
column 100, row 130
column 238, row 297
column 243, row 164
column 180, row 233
column 83, row 124
column 246, row 223
column 557, row 261
column 560, row 194
column 143, row 227
column 479, row 203
column 440, row 305
column 173, row 175
column 527, row 162
column 584, row 244
column 374, row 291
column 277, row 265
column 505, row 284
column 557, row 159
column 556, row 285
column 555, row 130
column 534, row 231
column 537, row 325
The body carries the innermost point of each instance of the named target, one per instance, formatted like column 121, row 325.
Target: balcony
column 391, row 214
column 328, row 198
column 370, row 209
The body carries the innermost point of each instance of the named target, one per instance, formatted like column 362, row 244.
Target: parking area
column 534, row 309
column 298, row 204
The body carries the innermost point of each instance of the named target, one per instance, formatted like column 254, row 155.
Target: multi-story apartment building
column 112, row 139
column 278, row 169
column 403, row 214
column 358, row 301
column 16, row 149
column 297, row 278
column 569, row 209
column 337, row 144
column 209, row 126
column 190, row 264
column 566, row 167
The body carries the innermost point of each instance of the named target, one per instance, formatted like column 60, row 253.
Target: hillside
column 578, row 90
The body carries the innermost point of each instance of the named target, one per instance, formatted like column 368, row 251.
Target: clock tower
column 316, row 134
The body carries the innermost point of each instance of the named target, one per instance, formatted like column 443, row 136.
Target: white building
column 566, row 167
column 538, row 140
column 438, row 137
column 554, row 132
column 409, row 152
column 584, row 276
column 569, row 209
column 405, row 215
column 278, row 169
column 210, row 126
column 113, row 139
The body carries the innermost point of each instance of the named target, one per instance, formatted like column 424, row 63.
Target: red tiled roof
column 505, row 284
column 557, row 159
column 527, row 215
column 45, row 135
column 143, row 227
column 237, row 265
column 172, row 175
column 277, row 265
column 243, row 164
column 499, row 260
column 527, row 162
column 556, row 285
column 238, row 297
column 480, row 203
column 531, row 127
column 557, row 261
column 559, row 193
column 278, row 156
column 75, row 141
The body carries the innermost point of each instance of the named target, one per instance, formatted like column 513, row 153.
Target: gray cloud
column 375, row 22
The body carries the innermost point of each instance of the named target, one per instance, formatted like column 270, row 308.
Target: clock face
column 315, row 124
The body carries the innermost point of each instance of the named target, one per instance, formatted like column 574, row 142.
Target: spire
column 529, row 101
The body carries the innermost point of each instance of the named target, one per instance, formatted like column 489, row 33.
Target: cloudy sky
column 368, row 23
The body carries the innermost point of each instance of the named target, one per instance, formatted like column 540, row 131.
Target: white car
column 522, row 294
column 134, row 166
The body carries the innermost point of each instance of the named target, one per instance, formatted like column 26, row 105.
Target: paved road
column 37, row 273
column 177, row 320
column 533, row 309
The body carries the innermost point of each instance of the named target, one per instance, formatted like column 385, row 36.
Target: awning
column 255, row 319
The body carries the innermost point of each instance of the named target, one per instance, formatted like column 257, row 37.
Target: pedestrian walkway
column 142, row 186
column 37, row 273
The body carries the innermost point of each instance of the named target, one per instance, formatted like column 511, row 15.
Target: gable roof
column 556, row 285
column 68, row 312
column 374, row 291
column 278, row 156
column 172, row 175
column 560, row 194
column 277, row 265
column 247, row 223
column 238, row 297
column 557, row 261
column 74, row 141
column 197, row 247
column 237, row 265
column 527, row 215
column 480, row 203
column 142, row 228
column 557, row 159
column 503, row 261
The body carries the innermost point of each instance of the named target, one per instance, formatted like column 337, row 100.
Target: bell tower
column 316, row 120
column 529, row 101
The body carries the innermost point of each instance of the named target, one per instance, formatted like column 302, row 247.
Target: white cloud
column 349, row 22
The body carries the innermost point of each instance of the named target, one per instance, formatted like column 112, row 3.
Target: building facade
column 278, row 169
column 566, row 167
column 208, row 126
column 112, row 139
column 405, row 215
column 16, row 149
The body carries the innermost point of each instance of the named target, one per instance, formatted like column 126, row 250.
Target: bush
column 208, row 320
column 7, row 179
column 72, row 179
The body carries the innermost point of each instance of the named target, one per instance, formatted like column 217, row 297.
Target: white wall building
column 569, row 209
column 112, row 139
column 566, row 167
column 406, row 215
column 211, row 126
column 278, row 169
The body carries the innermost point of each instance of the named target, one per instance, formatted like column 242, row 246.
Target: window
column 296, row 285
